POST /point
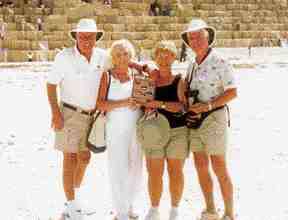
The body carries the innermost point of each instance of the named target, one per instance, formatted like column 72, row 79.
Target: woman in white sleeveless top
column 124, row 154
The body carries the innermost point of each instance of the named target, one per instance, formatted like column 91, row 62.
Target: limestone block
column 147, row 19
column 17, row 44
column 11, row 26
column 147, row 44
column 84, row 11
column 130, row 27
column 107, row 19
column 55, row 44
column 60, row 3
column 124, row 11
column 167, row 27
column 155, row 36
column 56, row 19
column 35, row 45
column 18, row 11
column 146, row 27
column 119, row 27
column 106, row 11
column 15, row 56
column 203, row 14
column 224, row 34
column 9, row 18
column 59, row 11
column 165, row 20
column 12, row 35
column 207, row 7
column 33, row 35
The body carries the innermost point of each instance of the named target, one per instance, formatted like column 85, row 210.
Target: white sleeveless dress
column 124, row 153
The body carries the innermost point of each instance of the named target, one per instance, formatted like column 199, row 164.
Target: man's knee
column 84, row 157
column 69, row 163
column 201, row 161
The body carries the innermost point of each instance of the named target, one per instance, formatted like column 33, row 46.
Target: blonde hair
column 165, row 44
column 123, row 43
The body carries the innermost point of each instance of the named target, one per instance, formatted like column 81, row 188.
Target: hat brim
column 211, row 38
column 99, row 35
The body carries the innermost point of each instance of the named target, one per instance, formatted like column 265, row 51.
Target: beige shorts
column 177, row 147
column 211, row 137
column 72, row 138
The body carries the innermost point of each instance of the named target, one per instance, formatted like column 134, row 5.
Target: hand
column 152, row 104
column 199, row 108
column 57, row 122
column 132, row 103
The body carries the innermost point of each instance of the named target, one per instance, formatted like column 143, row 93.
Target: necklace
column 164, row 81
column 121, row 76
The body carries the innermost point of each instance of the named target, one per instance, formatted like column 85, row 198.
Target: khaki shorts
column 177, row 147
column 72, row 138
column 211, row 137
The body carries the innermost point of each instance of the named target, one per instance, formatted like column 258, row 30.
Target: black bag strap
column 189, row 78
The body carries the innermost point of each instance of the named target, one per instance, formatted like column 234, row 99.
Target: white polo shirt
column 79, row 80
column 212, row 77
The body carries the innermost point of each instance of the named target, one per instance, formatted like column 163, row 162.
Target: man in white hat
column 211, row 77
column 76, row 72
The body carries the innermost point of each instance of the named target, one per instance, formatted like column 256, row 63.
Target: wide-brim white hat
column 87, row 25
column 196, row 25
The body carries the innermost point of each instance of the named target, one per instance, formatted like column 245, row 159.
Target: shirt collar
column 207, row 58
column 77, row 53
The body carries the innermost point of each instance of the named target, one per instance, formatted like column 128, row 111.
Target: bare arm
column 221, row 100
column 57, row 119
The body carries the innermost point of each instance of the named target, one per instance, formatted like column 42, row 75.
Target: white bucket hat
column 196, row 25
column 87, row 25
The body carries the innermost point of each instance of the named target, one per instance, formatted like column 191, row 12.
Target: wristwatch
column 163, row 106
column 210, row 106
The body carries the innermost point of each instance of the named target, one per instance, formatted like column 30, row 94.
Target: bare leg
column 83, row 158
column 201, row 161
column 176, row 180
column 221, row 171
column 69, row 168
column 155, row 169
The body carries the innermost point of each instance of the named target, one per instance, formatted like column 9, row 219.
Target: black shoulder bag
column 93, row 144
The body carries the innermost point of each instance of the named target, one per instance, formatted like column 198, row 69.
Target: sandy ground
column 31, row 187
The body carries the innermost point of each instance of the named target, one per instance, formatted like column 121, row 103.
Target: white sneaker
column 173, row 214
column 132, row 214
column 209, row 216
column 72, row 212
column 153, row 214
column 82, row 204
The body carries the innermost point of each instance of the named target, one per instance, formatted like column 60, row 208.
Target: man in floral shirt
column 212, row 79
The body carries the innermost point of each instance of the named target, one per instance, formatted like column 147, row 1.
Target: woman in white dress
column 124, row 154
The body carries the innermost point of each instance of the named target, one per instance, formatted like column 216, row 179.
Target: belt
column 77, row 109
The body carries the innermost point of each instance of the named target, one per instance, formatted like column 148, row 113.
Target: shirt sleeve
column 56, row 74
column 227, row 77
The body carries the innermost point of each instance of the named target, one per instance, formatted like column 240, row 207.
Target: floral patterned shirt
column 212, row 77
